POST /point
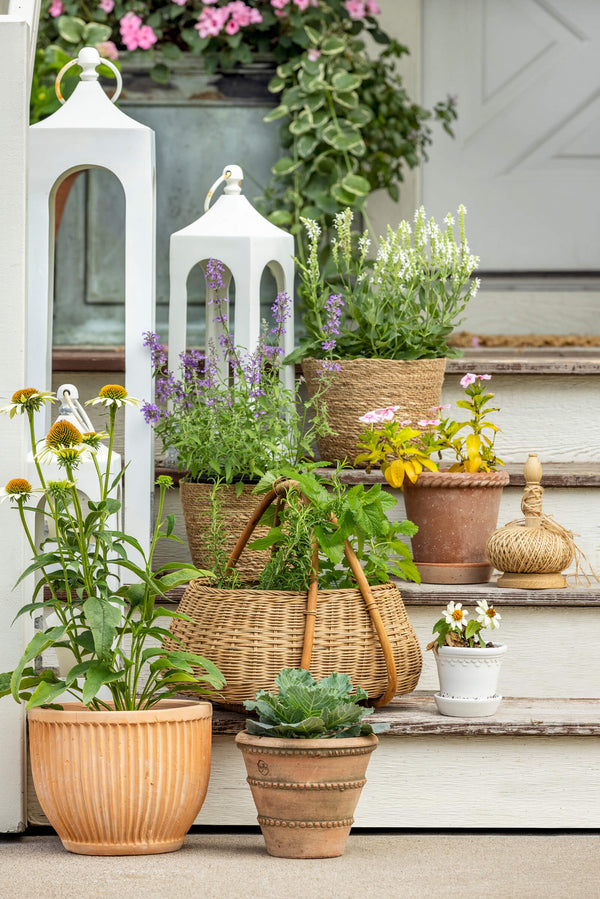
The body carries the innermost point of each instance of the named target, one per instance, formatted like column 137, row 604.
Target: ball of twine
column 544, row 548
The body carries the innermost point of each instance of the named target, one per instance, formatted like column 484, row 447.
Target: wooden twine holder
column 532, row 552
column 278, row 491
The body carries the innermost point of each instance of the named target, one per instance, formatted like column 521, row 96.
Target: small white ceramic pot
column 468, row 680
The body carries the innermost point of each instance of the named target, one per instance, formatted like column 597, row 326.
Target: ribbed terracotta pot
column 306, row 791
column 121, row 783
column 415, row 385
column 455, row 512
column 234, row 514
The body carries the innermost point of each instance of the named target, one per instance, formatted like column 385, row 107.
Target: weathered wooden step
column 532, row 765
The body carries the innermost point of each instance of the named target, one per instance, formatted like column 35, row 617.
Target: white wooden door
column 526, row 158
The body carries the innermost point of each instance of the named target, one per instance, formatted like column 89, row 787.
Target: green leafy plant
column 403, row 451
column 328, row 512
column 403, row 305
column 112, row 632
column 308, row 709
column 453, row 628
column 228, row 415
column 348, row 126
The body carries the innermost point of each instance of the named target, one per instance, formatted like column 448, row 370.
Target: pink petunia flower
column 232, row 27
column 372, row 8
column 56, row 8
column 467, row 380
column 355, row 8
column 146, row 37
column 107, row 5
column 107, row 50
column 279, row 4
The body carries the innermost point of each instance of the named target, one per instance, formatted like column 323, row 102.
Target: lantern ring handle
column 105, row 62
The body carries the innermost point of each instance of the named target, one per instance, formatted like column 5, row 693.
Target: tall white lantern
column 233, row 232
column 88, row 131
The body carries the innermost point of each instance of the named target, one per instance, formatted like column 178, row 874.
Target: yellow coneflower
column 113, row 395
column 63, row 433
column 18, row 490
column 27, row 398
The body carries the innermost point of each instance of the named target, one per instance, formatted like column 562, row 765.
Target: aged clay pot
column 306, row 791
column 455, row 512
column 121, row 783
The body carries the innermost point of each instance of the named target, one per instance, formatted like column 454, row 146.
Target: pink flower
column 372, row 8
column 56, row 8
column 232, row 27
column 211, row 21
column 313, row 54
column 355, row 8
column 107, row 50
column 428, row 422
column 279, row 4
column 378, row 416
column 210, row 2
column 107, row 5
column 484, row 377
column 440, row 408
column 180, row 2
column 146, row 37
column 467, row 380
column 304, row 4
column 405, row 424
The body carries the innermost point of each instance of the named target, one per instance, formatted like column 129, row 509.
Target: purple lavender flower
column 157, row 352
column 214, row 276
column 281, row 312
column 151, row 413
column 331, row 330
column 328, row 366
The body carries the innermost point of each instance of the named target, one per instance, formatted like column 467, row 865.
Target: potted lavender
column 229, row 429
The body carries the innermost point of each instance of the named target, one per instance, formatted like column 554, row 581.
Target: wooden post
column 14, row 103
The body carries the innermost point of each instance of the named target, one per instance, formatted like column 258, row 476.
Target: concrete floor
column 223, row 865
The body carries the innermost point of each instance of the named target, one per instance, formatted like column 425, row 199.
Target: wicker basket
column 414, row 385
column 234, row 514
column 252, row 634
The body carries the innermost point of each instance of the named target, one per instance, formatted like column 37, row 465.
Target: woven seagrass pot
column 121, row 783
column 252, row 634
column 306, row 791
column 455, row 512
column 234, row 513
column 414, row 385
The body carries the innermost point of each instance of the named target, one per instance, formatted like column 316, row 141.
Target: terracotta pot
column 121, row 783
column 305, row 791
column 455, row 512
column 234, row 514
column 468, row 680
column 414, row 385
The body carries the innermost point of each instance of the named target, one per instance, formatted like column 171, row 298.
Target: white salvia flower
column 487, row 615
column 456, row 616
column 363, row 244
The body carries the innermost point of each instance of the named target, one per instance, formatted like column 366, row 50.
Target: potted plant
column 468, row 666
column 227, row 417
column 324, row 600
column 306, row 758
column 456, row 508
column 379, row 330
column 123, row 769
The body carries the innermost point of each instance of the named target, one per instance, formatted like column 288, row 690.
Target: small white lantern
column 90, row 132
column 233, row 232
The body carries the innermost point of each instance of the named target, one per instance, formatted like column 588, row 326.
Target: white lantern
column 233, row 232
column 88, row 131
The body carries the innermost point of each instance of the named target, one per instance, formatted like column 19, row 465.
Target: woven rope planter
column 235, row 511
column 364, row 384
column 252, row 634
column 455, row 512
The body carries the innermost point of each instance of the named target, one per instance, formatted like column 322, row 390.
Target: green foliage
column 307, row 709
column 325, row 510
column 403, row 305
column 113, row 631
column 348, row 124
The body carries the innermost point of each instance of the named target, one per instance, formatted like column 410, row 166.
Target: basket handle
column 278, row 490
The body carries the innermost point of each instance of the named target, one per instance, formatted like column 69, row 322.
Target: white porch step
column 549, row 401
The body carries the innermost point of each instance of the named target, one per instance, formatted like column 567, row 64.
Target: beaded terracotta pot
column 306, row 791
column 455, row 512
column 121, row 783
